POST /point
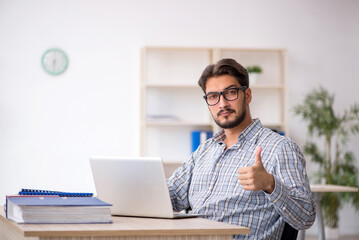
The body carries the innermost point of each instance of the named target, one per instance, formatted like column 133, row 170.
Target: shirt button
column 210, row 188
column 284, row 208
column 218, row 164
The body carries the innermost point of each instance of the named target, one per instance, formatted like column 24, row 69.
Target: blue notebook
column 55, row 209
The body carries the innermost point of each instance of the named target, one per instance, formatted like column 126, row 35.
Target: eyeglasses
column 230, row 94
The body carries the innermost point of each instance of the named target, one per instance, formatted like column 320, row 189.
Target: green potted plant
column 329, row 149
column 253, row 72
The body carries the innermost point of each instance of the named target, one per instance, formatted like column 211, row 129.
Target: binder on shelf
column 55, row 209
column 199, row 137
column 37, row 192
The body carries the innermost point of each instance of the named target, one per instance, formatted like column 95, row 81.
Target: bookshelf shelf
column 262, row 86
column 175, row 124
column 171, row 86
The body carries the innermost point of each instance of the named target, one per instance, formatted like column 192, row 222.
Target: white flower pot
column 253, row 78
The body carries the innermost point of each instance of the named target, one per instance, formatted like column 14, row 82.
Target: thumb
column 258, row 159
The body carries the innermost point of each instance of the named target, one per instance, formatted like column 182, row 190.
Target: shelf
column 263, row 86
column 250, row 50
column 256, row 86
column 166, row 123
column 171, row 86
column 174, row 161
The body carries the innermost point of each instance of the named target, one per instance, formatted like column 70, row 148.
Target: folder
column 199, row 137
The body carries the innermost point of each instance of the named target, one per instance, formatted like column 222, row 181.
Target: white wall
column 49, row 126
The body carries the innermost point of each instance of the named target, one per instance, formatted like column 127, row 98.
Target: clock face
column 54, row 61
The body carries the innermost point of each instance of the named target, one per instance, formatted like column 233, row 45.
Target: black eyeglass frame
column 222, row 93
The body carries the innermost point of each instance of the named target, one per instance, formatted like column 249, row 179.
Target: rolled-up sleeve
column 292, row 197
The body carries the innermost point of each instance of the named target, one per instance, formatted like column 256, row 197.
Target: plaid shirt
column 208, row 183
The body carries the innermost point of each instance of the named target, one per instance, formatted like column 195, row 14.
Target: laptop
column 134, row 186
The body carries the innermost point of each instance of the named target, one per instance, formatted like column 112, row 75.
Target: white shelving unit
column 171, row 101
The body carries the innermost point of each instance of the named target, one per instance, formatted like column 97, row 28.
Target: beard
column 233, row 123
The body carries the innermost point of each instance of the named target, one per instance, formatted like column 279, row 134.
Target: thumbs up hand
column 256, row 178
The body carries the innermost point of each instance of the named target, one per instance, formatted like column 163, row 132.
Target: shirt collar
column 250, row 132
column 219, row 136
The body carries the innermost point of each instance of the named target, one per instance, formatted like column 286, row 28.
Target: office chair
column 289, row 233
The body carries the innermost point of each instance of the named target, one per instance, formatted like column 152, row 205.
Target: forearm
column 270, row 184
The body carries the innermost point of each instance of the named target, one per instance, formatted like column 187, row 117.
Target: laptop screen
column 135, row 186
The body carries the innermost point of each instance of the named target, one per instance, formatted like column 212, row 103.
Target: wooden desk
column 123, row 228
column 317, row 190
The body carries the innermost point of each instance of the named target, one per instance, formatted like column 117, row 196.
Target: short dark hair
column 226, row 66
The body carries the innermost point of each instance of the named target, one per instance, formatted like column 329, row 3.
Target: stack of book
column 49, row 207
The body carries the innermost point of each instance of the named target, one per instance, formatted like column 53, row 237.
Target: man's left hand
column 256, row 178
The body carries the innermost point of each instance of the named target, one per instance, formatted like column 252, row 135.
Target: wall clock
column 54, row 61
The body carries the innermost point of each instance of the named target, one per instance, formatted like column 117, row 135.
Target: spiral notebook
column 38, row 192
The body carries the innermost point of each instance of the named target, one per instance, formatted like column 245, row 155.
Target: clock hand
column 54, row 64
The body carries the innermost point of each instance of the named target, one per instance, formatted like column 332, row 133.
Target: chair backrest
column 289, row 233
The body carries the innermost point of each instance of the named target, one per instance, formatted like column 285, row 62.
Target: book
column 199, row 137
column 55, row 209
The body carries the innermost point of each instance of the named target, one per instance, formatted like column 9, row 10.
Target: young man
column 246, row 174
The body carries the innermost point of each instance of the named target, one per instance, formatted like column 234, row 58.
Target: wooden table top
column 129, row 226
column 331, row 188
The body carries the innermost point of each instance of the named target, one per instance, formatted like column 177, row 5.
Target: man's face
column 227, row 114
